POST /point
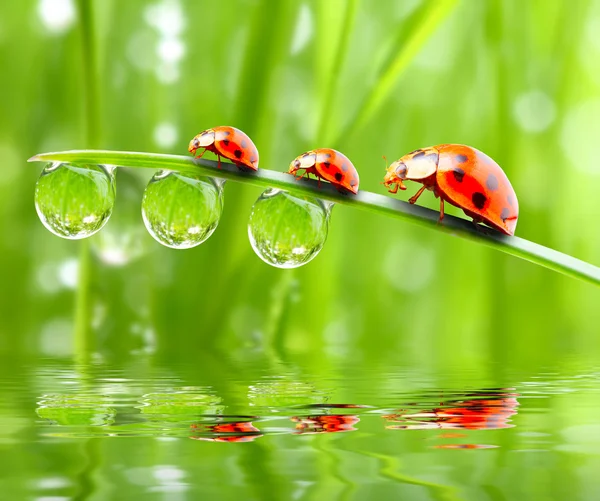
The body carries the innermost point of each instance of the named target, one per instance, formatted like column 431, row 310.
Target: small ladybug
column 462, row 176
column 324, row 423
column 228, row 432
column 330, row 165
column 227, row 142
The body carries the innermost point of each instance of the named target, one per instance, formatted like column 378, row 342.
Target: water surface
column 275, row 431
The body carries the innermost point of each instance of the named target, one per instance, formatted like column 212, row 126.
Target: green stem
column 90, row 80
column 373, row 202
column 84, row 342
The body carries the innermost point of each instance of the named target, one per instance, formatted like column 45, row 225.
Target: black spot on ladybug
column 353, row 182
column 459, row 174
column 339, row 176
column 345, row 167
column 511, row 200
column 226, row 132
column 479, row 199
column 461, row 159
column 505, row 214
column 238, row 153
column 492, row 182
column 419, row 153
column 327, row 155
column 226, row 142
column 297, row 163
column 244, row 144
column 326, row 165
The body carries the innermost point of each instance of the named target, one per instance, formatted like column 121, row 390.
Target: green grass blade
column 373, row 202
column 435, row 13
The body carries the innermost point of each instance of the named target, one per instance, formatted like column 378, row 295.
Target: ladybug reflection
column 326, row 423
column 242, row 431
column 488, row 411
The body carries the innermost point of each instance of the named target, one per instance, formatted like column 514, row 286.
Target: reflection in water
column 465, row 446
column 178, row 406
column 483, row 410
column 238, row 431
column 69, row 410
column 325, row 423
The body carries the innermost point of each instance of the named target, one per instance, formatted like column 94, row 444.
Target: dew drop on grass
column 75, row 201
column 287, row 231
column 180, row 211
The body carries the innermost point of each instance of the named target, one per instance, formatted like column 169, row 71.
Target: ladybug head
column 294, row 166
column 304, row 161
column 395, row 174
column 194, row 145
column 202, row 140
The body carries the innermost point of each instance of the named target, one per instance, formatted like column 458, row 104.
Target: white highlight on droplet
column 303, row 31
column 57, row 16
column 165, row 134
column 534, row 111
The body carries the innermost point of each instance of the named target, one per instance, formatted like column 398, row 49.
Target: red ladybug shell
column 466, row 178
column 227, row 142
column 330, row 165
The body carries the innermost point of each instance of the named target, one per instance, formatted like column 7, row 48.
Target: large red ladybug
column 227, row 142
column 462, row 176
column 330, row 165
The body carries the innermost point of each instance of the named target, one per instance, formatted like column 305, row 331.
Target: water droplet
column 182, row 212
column 75, row 201
column 287, row 231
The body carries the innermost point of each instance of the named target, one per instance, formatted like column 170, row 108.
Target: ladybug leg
column 297, row 178
column 441, row 211
column 219, row 157
column 202, row 153
column 414, row 198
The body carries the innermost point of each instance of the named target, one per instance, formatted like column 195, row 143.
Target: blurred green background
column 518, row 80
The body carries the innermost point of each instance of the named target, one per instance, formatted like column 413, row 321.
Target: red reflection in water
column 492, row 411
column 325, row 423
column 242, row 431
column 465, row 446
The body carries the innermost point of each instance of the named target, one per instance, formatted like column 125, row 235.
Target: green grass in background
column 382, row 79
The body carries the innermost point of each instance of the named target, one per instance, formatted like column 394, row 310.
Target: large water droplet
column 182, row 212
column 287, row 231
column 75, row 201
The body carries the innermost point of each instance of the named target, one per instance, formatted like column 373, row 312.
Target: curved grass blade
column 434, row 15
column 365, row 200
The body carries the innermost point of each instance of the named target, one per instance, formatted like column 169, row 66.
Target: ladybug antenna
column 386, row 163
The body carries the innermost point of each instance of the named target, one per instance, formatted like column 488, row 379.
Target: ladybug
column 462, row 176
column 330, row 165
column 325, row 423
column 228, row 432
column 227, row 142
